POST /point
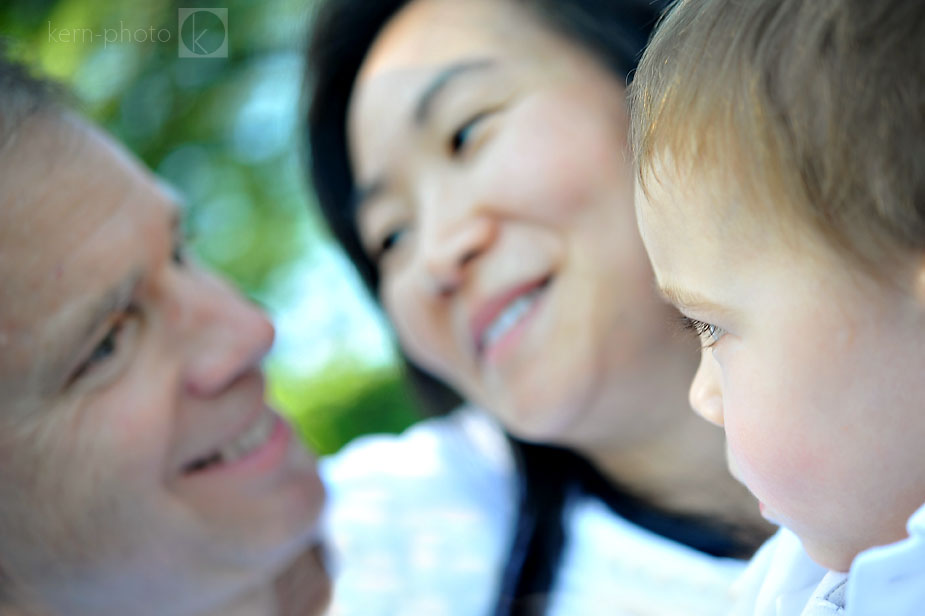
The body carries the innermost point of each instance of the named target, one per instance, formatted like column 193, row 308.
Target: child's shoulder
column 890, row 579
column 780, row 579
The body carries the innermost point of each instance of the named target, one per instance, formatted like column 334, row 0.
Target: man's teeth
column 509, row 317
column 252, row 440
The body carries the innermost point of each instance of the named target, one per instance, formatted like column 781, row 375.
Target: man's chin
column 304, row 588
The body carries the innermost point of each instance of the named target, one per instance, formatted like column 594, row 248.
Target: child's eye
column 708, row 333
column 463, row 135
column 108, row 347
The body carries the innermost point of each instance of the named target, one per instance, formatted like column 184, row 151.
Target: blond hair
column 811, row 107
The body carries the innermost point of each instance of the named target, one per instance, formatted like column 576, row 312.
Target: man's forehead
column 57, row 196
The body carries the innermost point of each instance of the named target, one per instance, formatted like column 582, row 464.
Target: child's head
column 781, row 175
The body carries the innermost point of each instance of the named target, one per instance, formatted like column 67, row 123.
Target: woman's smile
column 498, row 324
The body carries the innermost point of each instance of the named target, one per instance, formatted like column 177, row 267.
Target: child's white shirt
column 782, row 580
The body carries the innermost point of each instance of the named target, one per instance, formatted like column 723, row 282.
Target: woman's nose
column 706, row 394
column 448, row 255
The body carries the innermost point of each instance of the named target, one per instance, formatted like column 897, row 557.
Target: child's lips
column 768, row 514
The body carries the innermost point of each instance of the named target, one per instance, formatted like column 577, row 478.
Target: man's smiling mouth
column 251, row 440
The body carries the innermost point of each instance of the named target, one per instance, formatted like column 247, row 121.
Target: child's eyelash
column 707, row 333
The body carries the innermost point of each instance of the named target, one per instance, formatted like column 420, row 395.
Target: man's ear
column 919, row 290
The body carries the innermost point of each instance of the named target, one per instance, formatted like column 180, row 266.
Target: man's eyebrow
column 116, row 299
column 439, row 84
column 85, row 322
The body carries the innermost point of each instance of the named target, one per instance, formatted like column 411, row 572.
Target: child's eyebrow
column 687, row 299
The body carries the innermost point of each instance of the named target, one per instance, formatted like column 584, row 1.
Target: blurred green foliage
column 225, row 132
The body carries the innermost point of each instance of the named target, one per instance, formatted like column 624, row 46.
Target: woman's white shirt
column 420, row 524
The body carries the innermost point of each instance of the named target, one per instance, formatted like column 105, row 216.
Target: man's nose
column 451, row 251
column 706, row 394
column 224, row 335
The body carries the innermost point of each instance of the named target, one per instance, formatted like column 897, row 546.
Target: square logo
column 202, row 33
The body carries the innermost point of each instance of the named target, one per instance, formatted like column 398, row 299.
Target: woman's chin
column 538, row 423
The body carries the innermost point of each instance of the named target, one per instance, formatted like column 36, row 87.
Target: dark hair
column 22, row 94
column 616, row 32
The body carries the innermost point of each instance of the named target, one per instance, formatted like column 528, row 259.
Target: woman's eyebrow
column 439, row 84
column 423, row 110
column 363, row 194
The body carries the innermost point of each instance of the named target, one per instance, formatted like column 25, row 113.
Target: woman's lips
column 497, row 319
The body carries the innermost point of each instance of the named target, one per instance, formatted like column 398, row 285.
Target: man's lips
column 248, row 440
column 238, row 433
column 485, row 316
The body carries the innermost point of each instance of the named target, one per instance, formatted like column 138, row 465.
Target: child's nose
column 706, row 395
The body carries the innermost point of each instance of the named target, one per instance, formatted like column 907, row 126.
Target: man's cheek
column 133, row 426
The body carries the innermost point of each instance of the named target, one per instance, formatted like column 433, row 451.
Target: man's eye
column 107, row 348
column 708, row 333
column 179, row 252
column 178, row 255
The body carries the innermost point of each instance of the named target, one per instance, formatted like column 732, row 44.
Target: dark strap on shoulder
column 549, row 477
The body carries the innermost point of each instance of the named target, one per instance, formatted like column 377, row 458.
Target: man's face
column 813, row 369
column 140, row 469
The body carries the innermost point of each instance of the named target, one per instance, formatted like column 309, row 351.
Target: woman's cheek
column 421, row 333
column 547, row 161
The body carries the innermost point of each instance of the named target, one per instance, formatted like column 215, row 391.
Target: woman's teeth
column 509, row 317
column 253, row 439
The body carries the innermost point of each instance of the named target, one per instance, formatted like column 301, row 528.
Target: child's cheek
column 774, row 456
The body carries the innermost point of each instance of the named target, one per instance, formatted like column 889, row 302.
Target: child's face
column 817, row 375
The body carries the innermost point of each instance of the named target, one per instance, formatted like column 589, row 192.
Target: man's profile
column 141, row 471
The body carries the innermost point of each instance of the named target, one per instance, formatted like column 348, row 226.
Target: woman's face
column 495, row 194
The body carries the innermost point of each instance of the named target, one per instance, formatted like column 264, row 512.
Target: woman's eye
column 390, row 241
column 463, row 135
column 708, row 333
